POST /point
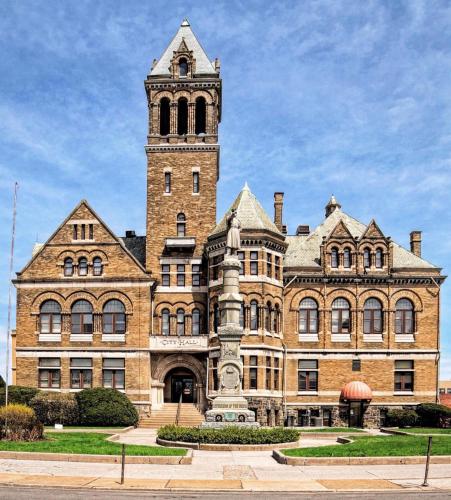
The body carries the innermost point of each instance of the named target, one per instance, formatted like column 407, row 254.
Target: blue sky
column 319, row 97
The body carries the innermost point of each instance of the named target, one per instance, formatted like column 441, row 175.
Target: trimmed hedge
column 55, row 408
column 18, row 395
column 434, row 415
column 19, row 423
column 105, row 407
column 229, row 435
column 402, row 418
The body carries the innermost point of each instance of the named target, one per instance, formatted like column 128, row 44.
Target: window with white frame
column 114, row 373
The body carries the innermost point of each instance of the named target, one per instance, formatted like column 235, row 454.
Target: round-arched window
column 334, row 258
column 114, row 317
column 404, row 317
column 68, row 267
column 183, row 67
column 196, row 322
column 97, row 266
column 308, row 316
column 180, row 322
column 81, row 317
column 372, row 316
column 83, row 266
column 165, row 322
column 50, row 317
column 341, row 316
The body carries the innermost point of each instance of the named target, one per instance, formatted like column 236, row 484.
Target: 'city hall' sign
column 161, row 343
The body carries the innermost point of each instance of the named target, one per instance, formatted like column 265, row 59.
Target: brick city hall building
column 340, row 322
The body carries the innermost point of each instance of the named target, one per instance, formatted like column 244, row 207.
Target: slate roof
column 203, row 64
column 304, row 250
column 136, row 245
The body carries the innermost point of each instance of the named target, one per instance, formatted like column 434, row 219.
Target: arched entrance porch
column 180, row 384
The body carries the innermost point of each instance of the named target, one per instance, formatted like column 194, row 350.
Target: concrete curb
column 284, row 459
column 109, row 459
column 226, row 447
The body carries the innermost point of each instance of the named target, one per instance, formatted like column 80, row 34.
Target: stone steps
column 190, row 416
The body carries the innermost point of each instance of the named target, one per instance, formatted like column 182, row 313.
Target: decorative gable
column 373, row 231
column 340, row 232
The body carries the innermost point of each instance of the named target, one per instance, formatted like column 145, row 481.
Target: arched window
column 182, row 116
column 165, row 114
column 165, row 322
column 372, row 316
column 254, row 315
column 68, row 267
column 404, row 317
column 347, row 258
column 341, row 316
column 50, row 317
column 275, row 319
column 114, row 317
column 366, row 258
column 83, row 266
column 215, row 318
column 81, row 317
column 97, row 266
column 180, row 322
column 334, row 257
column 195, row 322
column 268, row 317
column 201, row 116
column 379, row 261
column 308, row 316
column 183, row 67
column 181, row 225
column 242, row 320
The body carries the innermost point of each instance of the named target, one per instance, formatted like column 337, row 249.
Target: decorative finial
column 332, row 206
column 246, row 187
column 185, row 22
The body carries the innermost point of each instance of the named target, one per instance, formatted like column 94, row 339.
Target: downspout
column 207, row 397
column 284, row 391
column 437, row 357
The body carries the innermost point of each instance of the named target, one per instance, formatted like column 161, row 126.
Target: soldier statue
column 233, row 234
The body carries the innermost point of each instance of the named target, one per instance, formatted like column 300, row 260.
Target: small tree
column 55, row 408
column 19, row 423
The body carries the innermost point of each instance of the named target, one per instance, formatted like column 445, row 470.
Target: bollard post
column 123, row 464
column 428, row 457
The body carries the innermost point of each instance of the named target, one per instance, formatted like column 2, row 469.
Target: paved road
column 19, row 493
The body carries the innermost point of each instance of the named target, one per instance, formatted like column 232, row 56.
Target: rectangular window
column 216, row 261
column 308, row 375
column 195, row 270
column 254, row 263
column 75, row 235
column 167, row 182
column 114, row 373
column 241, row 259
column 165, row 276
column 215, row 374
column 49, row 373
column 80, row 373
column 269, row 265
column 268, row 373
column 276, row 374
column 277, row 267
column 91, row 231
column 180, row 274
column 356, row 365
column 404, row 372
column 253, row 372
column 83, row 231
column 195, row 182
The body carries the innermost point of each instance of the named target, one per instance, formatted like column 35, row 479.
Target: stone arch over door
column 188, row 361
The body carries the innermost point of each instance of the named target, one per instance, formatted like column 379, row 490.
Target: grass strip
column 86, row 443
column 426, row 430
column 383, row 446
column 332, row 430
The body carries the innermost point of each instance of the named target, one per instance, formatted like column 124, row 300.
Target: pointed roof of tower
column 249, row 212
column 184, row 36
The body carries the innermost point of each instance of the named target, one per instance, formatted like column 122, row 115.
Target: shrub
column 19, row 423
column 434, row 415
column 401, row 418
column 55, row 408
column 18, row 395
column 101, row 406
column 229, row 435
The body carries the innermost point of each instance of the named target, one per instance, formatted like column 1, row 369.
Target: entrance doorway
column 180, row 382
column 356, row 411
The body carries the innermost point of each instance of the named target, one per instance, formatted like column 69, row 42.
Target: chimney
column 303, row 230
column 130, row 234
column 415, row 243
column 278, row 209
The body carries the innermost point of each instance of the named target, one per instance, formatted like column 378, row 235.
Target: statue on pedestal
column 233, row 243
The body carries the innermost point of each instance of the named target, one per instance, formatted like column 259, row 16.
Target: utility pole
column 11, row 264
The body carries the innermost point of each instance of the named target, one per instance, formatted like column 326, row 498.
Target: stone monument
column 230, row 407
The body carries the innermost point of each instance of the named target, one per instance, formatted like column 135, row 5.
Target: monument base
column 230, row 410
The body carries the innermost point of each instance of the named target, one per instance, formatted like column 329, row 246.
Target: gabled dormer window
column 183, row 67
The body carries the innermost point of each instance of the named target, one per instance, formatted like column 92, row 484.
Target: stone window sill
column 308, row 337
column 307, row 393
column 49, row 337
column 111, row 337
column 403, row 393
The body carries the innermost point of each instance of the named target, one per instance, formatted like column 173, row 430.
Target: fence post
column 123, row 463
column 428, row 457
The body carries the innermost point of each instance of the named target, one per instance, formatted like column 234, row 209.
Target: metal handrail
column 179, row 407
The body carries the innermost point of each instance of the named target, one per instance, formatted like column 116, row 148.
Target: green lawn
column 85, row 443
column 383, row 446
column 341, row 430
column 50, row 428
column 426, row 430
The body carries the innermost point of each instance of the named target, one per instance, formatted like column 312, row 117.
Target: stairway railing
column 179, row 408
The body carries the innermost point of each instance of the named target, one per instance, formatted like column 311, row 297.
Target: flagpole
column 11, row 264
